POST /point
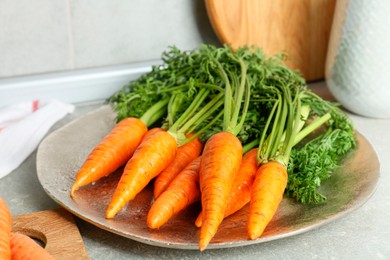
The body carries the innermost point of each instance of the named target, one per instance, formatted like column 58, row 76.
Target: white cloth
column 23, row 126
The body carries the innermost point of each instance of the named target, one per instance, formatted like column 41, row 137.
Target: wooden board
column 56, row 229
column 301, row 28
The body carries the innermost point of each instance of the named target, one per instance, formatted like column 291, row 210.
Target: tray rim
column 194, row 246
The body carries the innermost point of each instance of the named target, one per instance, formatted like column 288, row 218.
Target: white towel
column 23, row 126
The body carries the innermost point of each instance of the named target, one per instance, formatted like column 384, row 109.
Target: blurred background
column 343, row 43
column 58, row 35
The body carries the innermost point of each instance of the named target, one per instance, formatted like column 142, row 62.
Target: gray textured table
column 362, row 234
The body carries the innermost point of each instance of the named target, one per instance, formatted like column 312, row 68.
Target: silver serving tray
column 61, row 154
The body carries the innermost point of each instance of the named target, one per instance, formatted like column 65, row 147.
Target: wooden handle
column 56, row 229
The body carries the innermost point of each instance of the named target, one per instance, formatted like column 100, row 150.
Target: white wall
column 43, row 36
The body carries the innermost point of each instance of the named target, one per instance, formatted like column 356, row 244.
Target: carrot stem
column 197, row 102
column 240, row 94
column 154, row 113
column 245, row 109
column 204, row 113
column 212, row 122
column 264, row 146
column 249, row 146
column 228, row 96
column 311, row 127
column 174, row 104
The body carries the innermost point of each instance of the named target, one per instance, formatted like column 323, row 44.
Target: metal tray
column 61, row 154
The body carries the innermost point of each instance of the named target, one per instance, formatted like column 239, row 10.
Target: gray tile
column 33, row 37
column 116, row 32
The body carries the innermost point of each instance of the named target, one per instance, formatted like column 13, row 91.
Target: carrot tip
column 204, row 243
column 256, row 231
column 253, row 236
column 72, row 191
column 156, row 194
column 153, row 225
column 198, row 221
column 110, row 215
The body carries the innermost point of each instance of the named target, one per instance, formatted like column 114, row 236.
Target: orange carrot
column 221, row 160
column 151, row 131
column 158, row 151
column 267, row 192
column 5, row 230
column 241, row 189
column 180, row 193
column 112, row 152
column 23, row 248
column 151, row 157
column 185, row 154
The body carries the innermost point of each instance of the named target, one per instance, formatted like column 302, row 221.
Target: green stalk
column 245, row 108
column 263, row 152
column 249, row 146
column 233, row 98
column 280, row 125
column 200, row 131
column 305, row 110
column 200, row 97
column 173, row 106
column 154, row 113
column 205, row 112
column 311, row 127
column 192, row 117
column 156, row 116
column 292, row 124
column 240, row 92
column 131, row 99
column 228, row 97
column 273, row 142
column 210, row 86
column 286, row 119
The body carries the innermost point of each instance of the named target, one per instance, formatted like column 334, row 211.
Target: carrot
column 267, row 192
column 23, row 248
column 151, row 131
column 151, row 157
column 111, row 153
column 5, row 230
column 222, row 153
column 157, row 151
column 181, row 192
column 273, row 154
column 241, row 188
column 221, row 160
column 185, row 154
column 118, row 146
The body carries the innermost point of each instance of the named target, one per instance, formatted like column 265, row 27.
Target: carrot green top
column 256, row 98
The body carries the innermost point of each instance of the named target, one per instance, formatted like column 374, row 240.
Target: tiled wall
column 57, row 35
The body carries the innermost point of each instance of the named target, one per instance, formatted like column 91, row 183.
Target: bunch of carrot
column 205, row 149
column 15, row 245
